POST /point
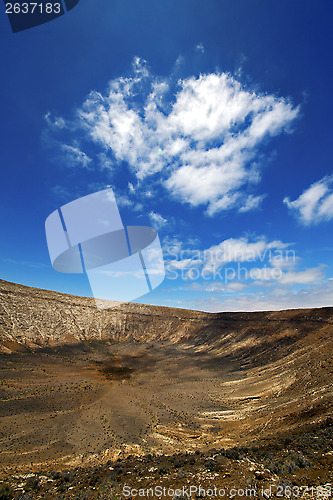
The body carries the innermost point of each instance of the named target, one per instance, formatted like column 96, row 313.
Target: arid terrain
column 176, row 392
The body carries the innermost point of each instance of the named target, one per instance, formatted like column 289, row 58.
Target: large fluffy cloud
column 201, row 134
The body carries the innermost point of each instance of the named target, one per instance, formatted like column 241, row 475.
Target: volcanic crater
column 80, row 387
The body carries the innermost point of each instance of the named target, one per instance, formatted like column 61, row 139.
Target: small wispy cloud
column 131, row 187
column 251, row 203
column 124, row 200
column 62, row 193
column 74, row 157
column 157, row 220
column 315, row 204
column 55, row 122
column 200, row 48
column 25, row 263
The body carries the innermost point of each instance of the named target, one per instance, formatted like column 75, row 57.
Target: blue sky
column 211, row 121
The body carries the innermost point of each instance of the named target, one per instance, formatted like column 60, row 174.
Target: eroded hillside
column 42, row 318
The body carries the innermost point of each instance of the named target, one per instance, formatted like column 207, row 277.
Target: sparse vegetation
column 288, row 467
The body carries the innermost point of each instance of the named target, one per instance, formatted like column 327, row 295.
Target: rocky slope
column 34, row 317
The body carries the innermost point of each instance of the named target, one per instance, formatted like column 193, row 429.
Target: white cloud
column 200, row 48
column 306, row 277
column 286, row 261
column 315, row 204
column 287, row 278
column 251, row 203
column 183, row 264
column 125, row 201
column 221, row 287
column 62, row 193
column 105, row 162
column 56, row 122
column 202, row 139
column 157, row 220
column 232, row 265
column 318, row 295
column 172, row 247
column 240, row 250
column 75, row 157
